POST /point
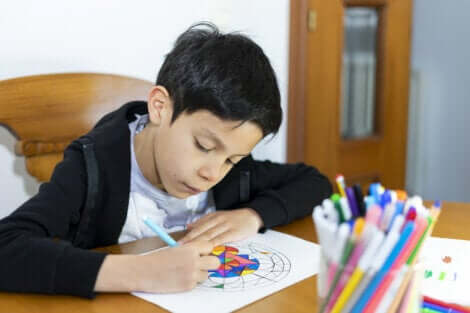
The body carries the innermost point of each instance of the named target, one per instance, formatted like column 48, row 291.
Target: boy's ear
column 159, row 105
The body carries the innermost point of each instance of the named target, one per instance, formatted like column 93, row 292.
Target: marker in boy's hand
column 168, row 270
column 224, row 226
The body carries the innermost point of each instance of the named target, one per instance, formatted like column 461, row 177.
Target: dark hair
column 226, row 74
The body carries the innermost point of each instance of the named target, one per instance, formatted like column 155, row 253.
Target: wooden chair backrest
column 46, row 112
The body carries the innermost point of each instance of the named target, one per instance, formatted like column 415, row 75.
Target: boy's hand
column 179, row 268
column 224, row 226
column 169, row 270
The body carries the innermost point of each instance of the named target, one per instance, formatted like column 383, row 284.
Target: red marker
column 410, row 216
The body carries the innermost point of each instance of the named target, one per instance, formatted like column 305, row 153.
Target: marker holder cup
column 368, row 256
column 410, row 286
column 322, row 277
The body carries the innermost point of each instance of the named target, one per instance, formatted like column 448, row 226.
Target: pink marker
column 395, row 269
column 352, row 263
column 373, row 215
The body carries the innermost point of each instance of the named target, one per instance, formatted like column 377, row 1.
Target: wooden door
column 322, row 129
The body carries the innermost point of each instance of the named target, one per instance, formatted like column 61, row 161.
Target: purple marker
column 352, row 201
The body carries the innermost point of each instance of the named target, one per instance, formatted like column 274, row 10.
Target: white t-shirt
column 146, row 200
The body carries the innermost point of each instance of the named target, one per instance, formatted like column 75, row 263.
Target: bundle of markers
column 369, row 246
column 431, row 305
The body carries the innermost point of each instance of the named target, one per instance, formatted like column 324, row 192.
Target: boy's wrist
column 257, row 217
column 118, row 274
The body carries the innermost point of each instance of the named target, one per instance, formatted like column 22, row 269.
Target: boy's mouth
column 191, row 189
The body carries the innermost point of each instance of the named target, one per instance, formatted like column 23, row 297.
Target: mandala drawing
column 245, row 267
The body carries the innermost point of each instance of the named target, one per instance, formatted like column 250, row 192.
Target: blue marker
column 439, row 308
column 160, row 232
column 374, row 192
column 385, row 198
column 374, row 284
column 369, row 200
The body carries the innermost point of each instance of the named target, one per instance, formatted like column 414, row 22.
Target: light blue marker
column 399, row 205
column 374, row 284
column 160, row 232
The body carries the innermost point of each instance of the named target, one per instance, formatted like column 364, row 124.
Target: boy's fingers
column 223, row 238
column 197, row 231
column 202, row 276
column 202, row 220
column 209, row 263
column 203, row 247
column 212, row 233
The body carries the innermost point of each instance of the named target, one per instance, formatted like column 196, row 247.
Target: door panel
column 333, row 136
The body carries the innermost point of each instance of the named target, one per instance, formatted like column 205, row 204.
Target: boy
column 181, row 159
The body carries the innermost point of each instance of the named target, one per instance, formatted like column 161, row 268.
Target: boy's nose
column 209, row 173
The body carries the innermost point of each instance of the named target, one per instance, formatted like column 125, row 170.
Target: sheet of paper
column 446, row 265
column 255, row 268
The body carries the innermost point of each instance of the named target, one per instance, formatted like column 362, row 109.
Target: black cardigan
column 39, row 250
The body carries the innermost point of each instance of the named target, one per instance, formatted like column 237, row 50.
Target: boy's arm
column 281, row 193
column 30, row 259
column 168, row 270
column 33, row 260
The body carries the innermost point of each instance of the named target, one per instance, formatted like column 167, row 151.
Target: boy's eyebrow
column 218, row 141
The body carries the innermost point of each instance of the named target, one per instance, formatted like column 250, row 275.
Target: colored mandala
column 232, row 264
column 245, row 267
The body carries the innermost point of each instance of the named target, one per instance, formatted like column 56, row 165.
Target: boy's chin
column 180, row 194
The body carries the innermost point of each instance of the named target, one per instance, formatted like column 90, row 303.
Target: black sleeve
column 285, row 192
column 34, row 257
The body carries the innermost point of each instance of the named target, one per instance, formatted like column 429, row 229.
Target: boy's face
column 197, row 150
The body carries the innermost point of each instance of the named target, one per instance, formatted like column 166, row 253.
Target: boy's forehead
column 213, row 126
column 209, row 121
column 205, row 116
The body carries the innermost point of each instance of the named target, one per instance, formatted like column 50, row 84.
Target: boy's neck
column 144, row 155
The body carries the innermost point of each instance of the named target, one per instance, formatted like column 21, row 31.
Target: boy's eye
column 201, row 147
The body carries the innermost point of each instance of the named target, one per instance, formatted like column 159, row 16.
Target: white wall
column 121, row 37
column 439, row 127
column 131, row 38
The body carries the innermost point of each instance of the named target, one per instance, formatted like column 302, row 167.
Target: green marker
column 335, row 198
column 418, row 245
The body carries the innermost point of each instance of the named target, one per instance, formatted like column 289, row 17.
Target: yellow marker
column 359, row 226
column 353, row 282
column 355, row 279
column 341, row 185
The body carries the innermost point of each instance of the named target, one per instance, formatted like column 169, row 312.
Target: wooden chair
column 46, row 112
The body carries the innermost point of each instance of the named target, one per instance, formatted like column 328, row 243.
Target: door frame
column 296, row 81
